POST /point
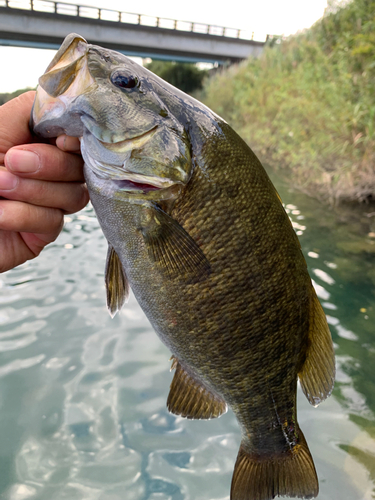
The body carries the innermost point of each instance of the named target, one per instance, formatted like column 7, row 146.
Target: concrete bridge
column 45, row 23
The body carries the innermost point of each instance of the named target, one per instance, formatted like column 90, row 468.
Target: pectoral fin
column 116, row 284
column 318, row 372
column 172, row 248
column 189, row 398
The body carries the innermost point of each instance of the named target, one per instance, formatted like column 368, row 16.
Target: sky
column 22, row 67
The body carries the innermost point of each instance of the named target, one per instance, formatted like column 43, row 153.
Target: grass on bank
column 308, row 104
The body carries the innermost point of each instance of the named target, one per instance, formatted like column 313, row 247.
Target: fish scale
column 209, row 253
column 234, row 281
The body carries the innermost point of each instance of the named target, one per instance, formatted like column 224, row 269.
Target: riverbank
column 308, row 104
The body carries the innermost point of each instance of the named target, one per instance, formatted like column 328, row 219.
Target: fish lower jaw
column 139, row 183
column 130, row 186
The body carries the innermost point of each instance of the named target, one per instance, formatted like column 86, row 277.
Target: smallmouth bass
column 197, row 230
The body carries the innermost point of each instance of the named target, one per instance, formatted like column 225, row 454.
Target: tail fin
column 263, row 478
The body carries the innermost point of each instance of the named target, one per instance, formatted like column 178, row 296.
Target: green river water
column 82, row 396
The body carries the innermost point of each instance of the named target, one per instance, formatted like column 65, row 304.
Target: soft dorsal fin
column 318, row 372
column 189, row 398
column 116, row 284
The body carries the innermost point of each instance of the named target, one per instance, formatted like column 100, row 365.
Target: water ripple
column 20, row 364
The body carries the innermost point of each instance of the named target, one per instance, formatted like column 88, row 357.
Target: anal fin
column 317, row 375
column 189, row 398
column 117, row 286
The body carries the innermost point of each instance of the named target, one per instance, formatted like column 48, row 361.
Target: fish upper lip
column 124, row 143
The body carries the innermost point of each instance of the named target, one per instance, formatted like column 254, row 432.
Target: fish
column 199, row 233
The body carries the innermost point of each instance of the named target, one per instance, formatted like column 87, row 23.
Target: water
column 82, row 397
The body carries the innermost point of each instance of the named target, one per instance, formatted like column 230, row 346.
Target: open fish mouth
column 126, row 180
column 120, row 175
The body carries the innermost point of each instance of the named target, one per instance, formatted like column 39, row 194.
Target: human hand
column 39, row 183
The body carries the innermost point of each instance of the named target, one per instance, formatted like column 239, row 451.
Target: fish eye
column 124, row 81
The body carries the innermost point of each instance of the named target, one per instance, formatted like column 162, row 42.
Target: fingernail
column 8, row 181
column 21, row 161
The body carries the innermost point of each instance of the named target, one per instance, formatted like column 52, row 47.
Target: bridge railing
column 68, row 9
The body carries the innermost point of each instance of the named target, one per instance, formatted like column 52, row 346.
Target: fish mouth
column 126, row 180
column 123, row 179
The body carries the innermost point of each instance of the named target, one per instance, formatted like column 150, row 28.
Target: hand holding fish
column 39, row 183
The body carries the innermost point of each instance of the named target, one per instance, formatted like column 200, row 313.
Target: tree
column 8, row 96
column 185, row 76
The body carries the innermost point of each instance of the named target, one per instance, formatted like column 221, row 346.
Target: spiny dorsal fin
column 116, row 284
column 318, row 372
column 263, row 477
column 173, row 249
column 189, row 398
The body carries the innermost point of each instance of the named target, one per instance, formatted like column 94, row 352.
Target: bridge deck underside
column 40, row 29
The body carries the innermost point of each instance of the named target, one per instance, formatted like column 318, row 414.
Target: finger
column 17, row 248
column 22, row 217
column 44, row 162
column 68, row 143
column 14, row 122
column 69, row 197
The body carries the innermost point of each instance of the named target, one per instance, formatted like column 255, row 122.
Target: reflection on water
column 82, row 396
